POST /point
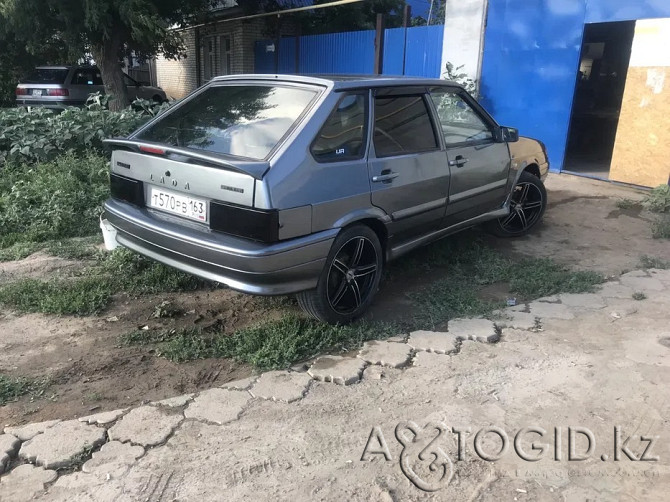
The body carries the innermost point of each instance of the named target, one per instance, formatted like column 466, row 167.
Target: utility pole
column 379, row 45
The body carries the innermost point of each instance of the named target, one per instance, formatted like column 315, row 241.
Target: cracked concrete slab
column 24, row 482
column 58, row 446
column 337, row 369
column 583, row 300
column 545, row 310
column 218, row 406
column 26, row 432
column 146, row 426
column 433, row 341
column 642, row 283
column 243, row 384
column 174, row 402
column 281, row 386
column 9, row 445
column 104, row 418
column 385, row 353
column 478, row 330
column 113, row 460
column 515, row 319
column 615, row 290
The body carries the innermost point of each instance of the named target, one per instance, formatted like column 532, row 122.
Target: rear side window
column 46, row 76
column 343, row 136
column 402, row 126
column 87, row 76
column 241, row 120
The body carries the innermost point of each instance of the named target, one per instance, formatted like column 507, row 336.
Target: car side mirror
column 509, row 134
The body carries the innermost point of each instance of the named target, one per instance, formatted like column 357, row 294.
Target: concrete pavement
column 565, row 398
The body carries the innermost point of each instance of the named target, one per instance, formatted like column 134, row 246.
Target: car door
column 408, row 169
column 134, row 89
column 479, row 163
column 85, row 81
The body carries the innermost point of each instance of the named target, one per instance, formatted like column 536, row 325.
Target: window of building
column 460, row 122
column 402, row 126
column 217, row 56
column 343, row 136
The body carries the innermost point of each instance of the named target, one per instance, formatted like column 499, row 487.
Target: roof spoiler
column 254, row 168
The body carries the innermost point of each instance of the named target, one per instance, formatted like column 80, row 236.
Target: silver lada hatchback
column 276, row 185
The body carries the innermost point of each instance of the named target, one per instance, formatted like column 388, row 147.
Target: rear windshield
column 46, row 76
column 242, row 120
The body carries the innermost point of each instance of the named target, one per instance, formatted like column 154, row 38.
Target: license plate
column 36, row 92
column 176, row 203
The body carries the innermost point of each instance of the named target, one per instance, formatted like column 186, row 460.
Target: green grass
column 77, row 248
column 654, row 262
column 627, row 204
column 116, row 272
column 660, row 229
column 84, row 296
column 471, row 265
column 12, row 388
column 267, row 345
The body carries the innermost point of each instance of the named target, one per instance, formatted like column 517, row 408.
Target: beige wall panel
column 642, row 148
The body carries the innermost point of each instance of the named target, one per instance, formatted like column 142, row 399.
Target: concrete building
column 590, row 78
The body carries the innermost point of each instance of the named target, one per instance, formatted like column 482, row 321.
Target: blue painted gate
column 353, row 52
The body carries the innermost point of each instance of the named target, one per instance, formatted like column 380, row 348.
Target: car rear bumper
column 248, row 266
column 46, row 103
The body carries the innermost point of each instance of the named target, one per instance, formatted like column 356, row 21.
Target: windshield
column 242, row 120
column 46, row 76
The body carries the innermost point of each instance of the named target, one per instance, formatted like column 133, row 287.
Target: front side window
column 241, row 120
column 343, row 136
column 460, row 122
column 402, row 126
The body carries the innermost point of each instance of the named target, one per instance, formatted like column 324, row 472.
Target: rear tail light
column 21, row 92
column 58, row 92
column 255, row 224
column 126, row 189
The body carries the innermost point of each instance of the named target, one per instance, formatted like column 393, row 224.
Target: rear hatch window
column 46, row 76
column 241, row 120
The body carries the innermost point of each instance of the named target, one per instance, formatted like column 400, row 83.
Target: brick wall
column 178, row 78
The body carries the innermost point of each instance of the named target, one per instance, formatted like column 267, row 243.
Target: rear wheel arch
column 533, row 169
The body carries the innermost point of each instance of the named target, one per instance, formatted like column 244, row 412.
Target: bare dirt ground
column 91, row 371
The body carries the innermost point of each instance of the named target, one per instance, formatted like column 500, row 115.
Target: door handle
column 386, row 176
column 459, row 161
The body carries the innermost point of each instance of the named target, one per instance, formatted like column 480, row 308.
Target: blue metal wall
column 531, row 59
column 353, row 52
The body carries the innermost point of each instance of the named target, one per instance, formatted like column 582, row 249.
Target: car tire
column 529, row 201
column 349, row 280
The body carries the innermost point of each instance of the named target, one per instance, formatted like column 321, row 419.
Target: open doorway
column 601, row 80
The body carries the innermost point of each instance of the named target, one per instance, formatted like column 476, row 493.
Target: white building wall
column 464, row 35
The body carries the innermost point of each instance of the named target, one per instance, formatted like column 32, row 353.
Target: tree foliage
column 348, row 17
column 108, row 29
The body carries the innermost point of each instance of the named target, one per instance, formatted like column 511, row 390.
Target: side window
column 460, row 123
column 87, row 76
column 344, row 134
column 402, row 125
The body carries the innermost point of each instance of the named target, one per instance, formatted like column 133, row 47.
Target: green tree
column 347, row 17
column 107, row 29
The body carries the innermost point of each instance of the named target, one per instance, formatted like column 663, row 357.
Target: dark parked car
column 285, row 184
column 59, row 86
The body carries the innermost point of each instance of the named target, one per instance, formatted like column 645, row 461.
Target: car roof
column 340, row 82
